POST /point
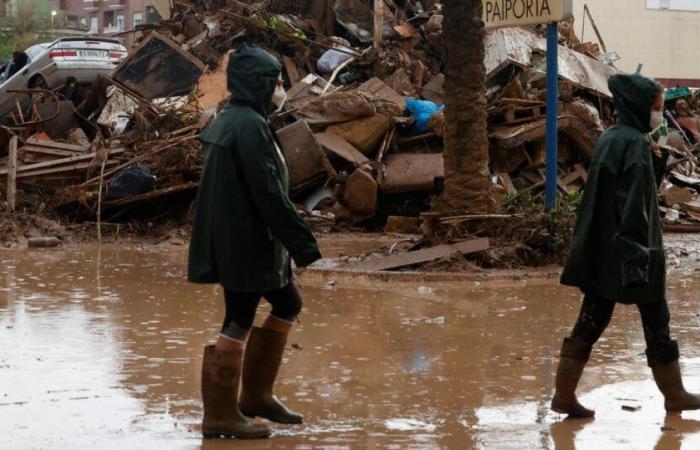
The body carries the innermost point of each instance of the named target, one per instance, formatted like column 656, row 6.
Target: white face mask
column 279, row 98
column 657, row 119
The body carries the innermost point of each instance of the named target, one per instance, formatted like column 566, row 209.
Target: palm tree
column 467, row 176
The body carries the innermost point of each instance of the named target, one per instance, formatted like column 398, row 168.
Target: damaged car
column 49, row 65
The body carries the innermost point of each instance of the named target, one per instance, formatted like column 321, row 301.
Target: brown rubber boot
column 667, row 374
column 220, row 378
column 573, row 358
column 262, row 360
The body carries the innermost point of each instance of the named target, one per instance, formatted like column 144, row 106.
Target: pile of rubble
column 361, row 132
column 679, row 192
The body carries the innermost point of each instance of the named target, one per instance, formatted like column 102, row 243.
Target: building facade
column 661, row 35
column 109, row 17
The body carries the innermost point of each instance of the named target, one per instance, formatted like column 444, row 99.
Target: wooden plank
column 378, row 23
column 681, row 228
column 62, row 169
column 152, row 195
column 692, row 206
column 582, row 171
column 507, row 183
column 57, row 145
column 48, row 151
column 292, row 70
column 12, row 175
column 422, row 256
column 61, row 162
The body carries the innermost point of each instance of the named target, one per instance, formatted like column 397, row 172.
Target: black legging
column 596, row 313
column 242, row 306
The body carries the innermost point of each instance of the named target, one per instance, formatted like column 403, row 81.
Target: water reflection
column 102, row 350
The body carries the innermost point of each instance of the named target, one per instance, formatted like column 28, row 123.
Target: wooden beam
column 48, row 151
column 61, row 169
column 12, row 175
column 421, row 256
column 79, row 149
column 152, row 195
column 378, row 23
column 61, row 162
column 292, row 71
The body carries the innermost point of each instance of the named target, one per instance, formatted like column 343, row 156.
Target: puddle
column 104, row 351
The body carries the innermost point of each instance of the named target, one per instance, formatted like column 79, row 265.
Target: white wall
column 666, row 42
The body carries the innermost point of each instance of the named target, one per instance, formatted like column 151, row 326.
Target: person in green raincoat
column 245, row 231
column 617, row 253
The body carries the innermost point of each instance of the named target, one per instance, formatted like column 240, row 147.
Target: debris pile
column 679, row 141
column 362, row 129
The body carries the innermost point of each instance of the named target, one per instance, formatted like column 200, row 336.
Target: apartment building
column 109, row 17
column 662, row 35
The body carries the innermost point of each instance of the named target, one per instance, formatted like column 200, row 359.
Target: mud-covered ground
column 101, row 349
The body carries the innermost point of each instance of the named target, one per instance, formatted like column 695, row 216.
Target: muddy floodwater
column 102, row 350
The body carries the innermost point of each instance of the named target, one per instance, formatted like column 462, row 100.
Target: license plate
column 93, row 53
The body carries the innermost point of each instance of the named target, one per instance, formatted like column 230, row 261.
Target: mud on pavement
column 101, row 350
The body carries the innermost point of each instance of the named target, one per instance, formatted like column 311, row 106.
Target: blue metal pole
column 552, row 115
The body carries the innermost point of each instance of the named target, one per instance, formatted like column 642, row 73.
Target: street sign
column 515, row 13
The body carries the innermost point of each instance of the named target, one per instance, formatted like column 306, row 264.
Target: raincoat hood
column 252, row 73
column 634, row 96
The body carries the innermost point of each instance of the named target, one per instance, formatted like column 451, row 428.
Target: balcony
column 92, row 5
column 118, row 4
column 113, row 29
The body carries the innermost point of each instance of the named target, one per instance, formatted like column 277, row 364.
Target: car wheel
column 38, row 82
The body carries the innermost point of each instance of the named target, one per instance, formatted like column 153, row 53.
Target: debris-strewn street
column 475, row 224
column 99, row 355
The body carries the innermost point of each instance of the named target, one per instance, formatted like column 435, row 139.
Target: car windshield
column 13, row 66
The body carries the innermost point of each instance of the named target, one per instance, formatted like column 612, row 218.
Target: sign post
column 512, row 13
column 552, row 131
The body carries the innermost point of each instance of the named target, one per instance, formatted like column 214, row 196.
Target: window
column 677, row 5
column 138, row 19
column 83, row 21
column 120, row 22
column 108, row 19
column 94, row 24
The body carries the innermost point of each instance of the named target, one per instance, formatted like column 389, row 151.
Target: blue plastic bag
column 423, row 110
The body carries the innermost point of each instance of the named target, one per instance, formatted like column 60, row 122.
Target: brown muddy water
column 103, row 351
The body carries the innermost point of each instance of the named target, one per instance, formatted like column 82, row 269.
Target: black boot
column 573, row 358
column 667, row 375
column 262, row 360
column 220, row 379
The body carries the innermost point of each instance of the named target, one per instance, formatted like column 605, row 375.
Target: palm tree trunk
column 467, row 175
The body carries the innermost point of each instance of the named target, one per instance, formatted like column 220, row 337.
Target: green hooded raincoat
column 617, row 249
column 245, row 225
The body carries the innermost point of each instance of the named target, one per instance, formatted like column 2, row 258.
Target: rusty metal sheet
column 517, row 45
